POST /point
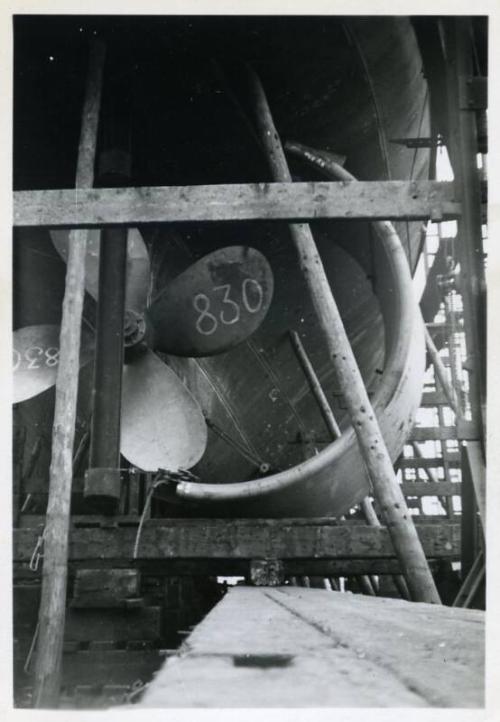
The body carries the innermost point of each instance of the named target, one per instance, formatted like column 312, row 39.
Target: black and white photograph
column 248, row 415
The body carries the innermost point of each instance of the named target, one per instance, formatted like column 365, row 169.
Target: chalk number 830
column 252, row 298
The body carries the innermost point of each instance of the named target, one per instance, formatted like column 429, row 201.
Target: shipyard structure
column 249, row 361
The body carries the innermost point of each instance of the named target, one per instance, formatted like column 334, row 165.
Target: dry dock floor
column 300, row 647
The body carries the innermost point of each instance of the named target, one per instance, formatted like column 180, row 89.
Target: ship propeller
column 36, row 358
column 138, row 267
column 214, row 305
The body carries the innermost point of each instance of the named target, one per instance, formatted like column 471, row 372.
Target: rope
column 27, row 663
column 33, row 565
column 37, row 553
column 163, row 476
column 25, row 503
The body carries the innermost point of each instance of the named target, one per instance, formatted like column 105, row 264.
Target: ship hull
column 347, row 86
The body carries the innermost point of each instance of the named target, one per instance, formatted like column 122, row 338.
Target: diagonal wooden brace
column 372, row 446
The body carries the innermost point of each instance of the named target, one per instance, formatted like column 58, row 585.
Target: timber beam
column 238, row 540
column 385, row 200
column 431, row 488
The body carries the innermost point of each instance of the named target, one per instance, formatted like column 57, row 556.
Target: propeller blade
column 138, row 272
column 162, row 425
column 138, row 266
column 36, row 358
column 214, row 305
column 60, row 239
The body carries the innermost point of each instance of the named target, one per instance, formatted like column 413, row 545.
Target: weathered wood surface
column 70, row 208
column 426, row 433
column 241, row 539
column 332, row 426
column 433, row 398
column 430, row 488
column 105, row 587
column 344, row 567
column 296, row 647
column 452, row 459
column 370, row 440
column 87, row 521
column 54, row 583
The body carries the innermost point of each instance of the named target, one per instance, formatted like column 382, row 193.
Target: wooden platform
column 300, row 647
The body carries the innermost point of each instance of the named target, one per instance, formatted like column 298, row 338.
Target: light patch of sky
column 447, row 229
column 230, row 581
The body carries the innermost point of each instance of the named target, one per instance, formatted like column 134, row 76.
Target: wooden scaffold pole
column 368, row 583
column 54, row 580
column 373, row 449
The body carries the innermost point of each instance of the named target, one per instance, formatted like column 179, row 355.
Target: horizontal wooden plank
column 240, row 539
column 413, row 503
column 294, row 647
column 241, row 567
column 116, row 584
column 422, row 488
column 418, row 200
column 434, row 398
column 345, row 567
column 87, row 521
column 431, row 433
column 453, row 460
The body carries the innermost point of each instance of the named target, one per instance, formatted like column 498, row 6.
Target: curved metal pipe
column 396, row 257
column 397, row 355
column 388, row 234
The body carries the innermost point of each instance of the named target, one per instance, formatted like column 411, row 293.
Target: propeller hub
column 134, row 328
